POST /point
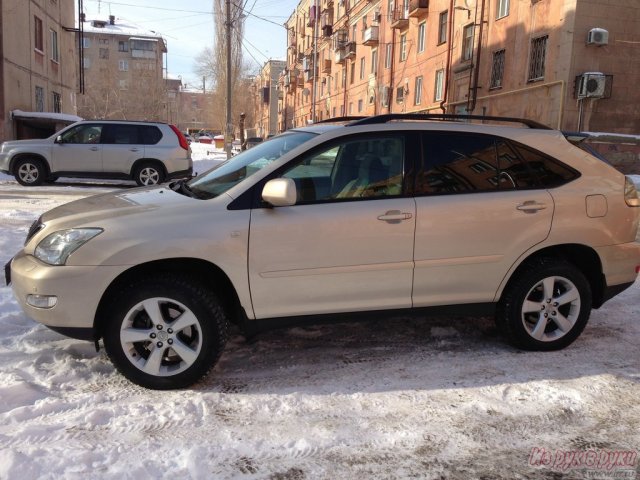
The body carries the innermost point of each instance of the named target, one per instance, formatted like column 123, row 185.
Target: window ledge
column 38, row 51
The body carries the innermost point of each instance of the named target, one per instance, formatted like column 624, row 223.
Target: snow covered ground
column 436, row 398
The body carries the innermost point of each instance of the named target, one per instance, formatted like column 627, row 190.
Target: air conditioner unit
column 598, row 36
column 592, row 85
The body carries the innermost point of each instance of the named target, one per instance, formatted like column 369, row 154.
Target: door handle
column 133, row 149
column 531, row 206
column 395, row 216
column 94, row 149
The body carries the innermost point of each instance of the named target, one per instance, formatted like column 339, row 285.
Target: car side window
column 149, row 135
column 120, row 134
column 350, row 169
column 83, row 134
column 469, row 163
column 548, row 172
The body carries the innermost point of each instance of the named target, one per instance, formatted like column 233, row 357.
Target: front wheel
column 165, row 332
column 30, row 172
column 546, row 306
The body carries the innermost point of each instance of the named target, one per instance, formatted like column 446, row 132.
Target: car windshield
column 230, row 173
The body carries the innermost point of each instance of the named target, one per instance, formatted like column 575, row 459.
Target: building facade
column 37, row 67
column 123, row 69
column 267, row 94
column 571, row 65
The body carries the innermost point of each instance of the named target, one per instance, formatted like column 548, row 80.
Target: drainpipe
column 449, row 53
column 476, row 73
column 314, row 64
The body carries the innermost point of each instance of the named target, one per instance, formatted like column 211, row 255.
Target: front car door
column 79, row 149
column 479, row 208
column 347, row 244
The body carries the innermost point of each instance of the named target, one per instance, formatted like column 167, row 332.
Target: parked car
column 147, row 152
column 188, row 137
column 380, row 215
column 253, row 141
column 204, row 138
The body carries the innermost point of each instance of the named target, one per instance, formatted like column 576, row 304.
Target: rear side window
column 475, row 163
column 149, row 135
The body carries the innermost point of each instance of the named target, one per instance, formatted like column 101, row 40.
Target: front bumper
column 78, row 290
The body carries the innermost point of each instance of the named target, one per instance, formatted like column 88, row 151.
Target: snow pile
column 395, row 398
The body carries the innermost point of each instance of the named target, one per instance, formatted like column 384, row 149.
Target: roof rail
column 377, row 119
column 340, row 119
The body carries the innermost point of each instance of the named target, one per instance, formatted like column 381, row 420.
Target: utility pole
column 229, row 129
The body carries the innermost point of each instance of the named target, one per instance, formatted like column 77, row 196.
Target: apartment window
column 55, row 53
column 418, row 92
column 497, row 69
column 387, row 57
column 123, row 65
column 503, row 8
column 438, row 91
column 467, row 43
column 39, row 99
column 86, row 42
column 103, row 41
column 422, row 30
column 360, row 105
column 442, row 27
column 536, row 60
column 353, row 72
column 361, row 68
column 354, row 31
column 403, row 47
column 104, row 53
column 86, row 63
column 374, row 60
column 38, row 41
column 123, row 46
column 56, row 100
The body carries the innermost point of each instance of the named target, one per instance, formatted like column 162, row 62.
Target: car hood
column 22, row 143
column 108, row 206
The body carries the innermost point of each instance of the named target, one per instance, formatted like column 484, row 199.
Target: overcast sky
column 187, row 26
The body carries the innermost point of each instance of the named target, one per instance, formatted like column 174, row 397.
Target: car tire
column 165, row 332
column 546, row 306
column 148, row 174
column 30, row 172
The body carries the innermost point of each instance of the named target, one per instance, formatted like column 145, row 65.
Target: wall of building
column 409, row 81
column 25, row 67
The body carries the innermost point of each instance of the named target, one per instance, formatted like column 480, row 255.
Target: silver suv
column 147, row 152
column 394, row 213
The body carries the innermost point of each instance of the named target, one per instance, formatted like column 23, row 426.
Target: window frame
column 39, row 98
column 56, row 102
column 388, row 57
column 38, row 34
column 502, row 9
column 537, row 58
column 438, row 91
column 55, row 50
column 443, row 21
column 422, row 34
column 403, row 48
column 417, row 94
column 497, row 69
column 468, row 37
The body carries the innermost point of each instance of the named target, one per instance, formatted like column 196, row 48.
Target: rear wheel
column 546, row 307
column 30, row 172
column 148, row 174
column 165, row 332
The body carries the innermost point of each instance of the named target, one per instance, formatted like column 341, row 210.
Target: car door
column 79, row 150
column 122, row 146
column 478, row 210
column 347, row 244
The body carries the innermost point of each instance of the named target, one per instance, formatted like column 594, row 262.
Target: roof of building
column 120, row 26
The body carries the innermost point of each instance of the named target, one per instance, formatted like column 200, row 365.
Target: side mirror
column 280, row 192
column 59, row 139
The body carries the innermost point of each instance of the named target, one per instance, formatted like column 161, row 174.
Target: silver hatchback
column 147, row 152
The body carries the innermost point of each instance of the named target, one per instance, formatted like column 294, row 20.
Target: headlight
column 54, row 249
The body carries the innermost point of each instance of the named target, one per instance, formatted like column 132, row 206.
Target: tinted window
column 120, row 134
column 149, row 135
column 352, row 168
column 548, row 171
column 458, row 163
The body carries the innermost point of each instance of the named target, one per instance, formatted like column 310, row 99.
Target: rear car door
column 122, row 147
column 479, row 208
column 347, row 244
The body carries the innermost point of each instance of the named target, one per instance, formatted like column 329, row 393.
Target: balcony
column 370, row 36
column 400, row 18
column 418, row 8
column 327, row 30
column 326, row 22
column 310, row 74
column 350, row 49
column 326, row 66
column 340, row 55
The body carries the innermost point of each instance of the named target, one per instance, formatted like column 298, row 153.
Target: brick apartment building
column 123, row 67
column 571, row 65
column 267, row 94
column 37, row 67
